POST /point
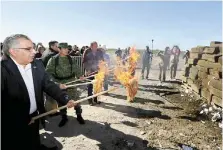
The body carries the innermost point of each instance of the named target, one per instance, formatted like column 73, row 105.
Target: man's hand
column 63, row 86
column 32, row 121
column 82, row 78
column 88, row 73
column 71, row 103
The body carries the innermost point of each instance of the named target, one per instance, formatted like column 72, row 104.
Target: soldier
column 146, row 62
column 53, row 50
column 63, row 68
column 174, row 62
column 91, row 58
column 163, row 64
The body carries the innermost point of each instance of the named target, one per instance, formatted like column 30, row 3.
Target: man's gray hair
column 12, row 41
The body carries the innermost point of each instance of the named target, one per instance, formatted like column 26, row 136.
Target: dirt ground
column 162, row 116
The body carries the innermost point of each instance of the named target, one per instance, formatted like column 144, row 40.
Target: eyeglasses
column 27, row 49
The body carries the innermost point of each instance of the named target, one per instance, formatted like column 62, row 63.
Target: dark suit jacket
column 91, row 61
column 15, row 100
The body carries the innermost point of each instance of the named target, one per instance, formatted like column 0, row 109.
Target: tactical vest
column 57, row 63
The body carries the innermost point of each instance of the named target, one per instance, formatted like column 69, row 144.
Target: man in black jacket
column 23, row 81
column 91, row 59
column 53, row 50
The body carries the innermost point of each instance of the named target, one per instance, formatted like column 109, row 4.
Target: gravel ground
column 161, row 117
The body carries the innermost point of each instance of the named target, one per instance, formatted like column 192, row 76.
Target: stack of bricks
column 203, row 73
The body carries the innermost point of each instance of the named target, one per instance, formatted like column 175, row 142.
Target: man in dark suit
column 91, row 59
column 23, row 81
column 52, row 51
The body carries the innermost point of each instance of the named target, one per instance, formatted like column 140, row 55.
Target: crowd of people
column 29, row 74
column 166, row 63
column 32, row 75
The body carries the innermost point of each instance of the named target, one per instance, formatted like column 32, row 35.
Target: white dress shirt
column 28, row 79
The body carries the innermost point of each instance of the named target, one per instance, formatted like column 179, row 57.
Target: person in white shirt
column 23, row 81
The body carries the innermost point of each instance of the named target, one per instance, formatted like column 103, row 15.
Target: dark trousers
column 173, row 70
column 20, row 135
column 33, row 130
column 186, row 61
column 162, row 74
column 90, row 92
column 106, row 82
column 146, row 66
column 77, row 108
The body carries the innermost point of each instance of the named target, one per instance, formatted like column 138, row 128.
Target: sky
column 115, row 23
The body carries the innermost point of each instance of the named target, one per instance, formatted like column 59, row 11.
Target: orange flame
column 134, row 56
column 99, row 77
column 123, row 73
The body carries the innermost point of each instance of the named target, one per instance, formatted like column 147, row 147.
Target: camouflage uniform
column 63, row 73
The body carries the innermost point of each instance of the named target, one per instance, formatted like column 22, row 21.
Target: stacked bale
column 203, row 73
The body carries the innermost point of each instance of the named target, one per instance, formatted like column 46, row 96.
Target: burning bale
column 124, row 74
column 99, row 77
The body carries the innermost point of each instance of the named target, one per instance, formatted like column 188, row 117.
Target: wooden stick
column 86, row 83
column 86, row 78
column 78, row 101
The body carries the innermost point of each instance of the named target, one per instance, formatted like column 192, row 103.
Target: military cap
column 63, row 45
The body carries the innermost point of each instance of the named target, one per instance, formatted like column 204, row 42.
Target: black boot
column 63, row 121
column 90, row 101
column 43, row 147
column 80, row 119
column 96, row 100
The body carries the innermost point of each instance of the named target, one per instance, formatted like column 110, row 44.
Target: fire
column 124, row 74
column 99, row 77
column 132, row 61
